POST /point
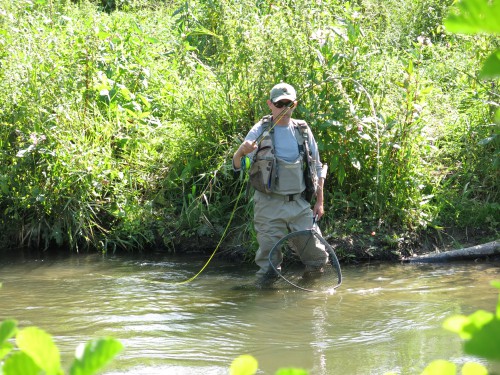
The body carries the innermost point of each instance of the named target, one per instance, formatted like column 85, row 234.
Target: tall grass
column 119, row 119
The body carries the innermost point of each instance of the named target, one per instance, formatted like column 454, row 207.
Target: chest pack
column 263, row 174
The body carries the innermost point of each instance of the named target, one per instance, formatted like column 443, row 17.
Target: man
column 276, row 146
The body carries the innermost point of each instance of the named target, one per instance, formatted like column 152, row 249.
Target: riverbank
column 356, row 248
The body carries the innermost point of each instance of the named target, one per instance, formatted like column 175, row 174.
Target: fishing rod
column 282, row 114
column 288, row 107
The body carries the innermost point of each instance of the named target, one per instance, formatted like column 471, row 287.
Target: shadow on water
column 385, row 317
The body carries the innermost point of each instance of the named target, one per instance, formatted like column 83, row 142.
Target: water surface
column 384, row 317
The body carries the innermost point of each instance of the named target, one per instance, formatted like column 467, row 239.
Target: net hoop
column 332, row 257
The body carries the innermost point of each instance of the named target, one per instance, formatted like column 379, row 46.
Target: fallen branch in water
column 479, row 251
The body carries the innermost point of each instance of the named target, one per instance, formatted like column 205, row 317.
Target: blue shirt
column 286, row 145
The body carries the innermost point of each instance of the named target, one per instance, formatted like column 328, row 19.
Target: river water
column 384, row 317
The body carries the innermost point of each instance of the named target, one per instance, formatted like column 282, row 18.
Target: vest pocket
column 261, row 175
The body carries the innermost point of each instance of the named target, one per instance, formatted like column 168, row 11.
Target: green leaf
column 244, row 365
column 475, row 16
column 20, row 364
column 103, row 35
column 495, row 283
column 440, row 367
column 472, row 368
column 465, row 326
column 204, row 31
column 478, row 320
column 485, row 342
column 409, row 69
column 38, row 344
column 341, row 174
column 291, row 371
column 456, row 324
column 94, row 355
column 491, row 66
column 426, row 90
column 5, row 349
column 8, row 329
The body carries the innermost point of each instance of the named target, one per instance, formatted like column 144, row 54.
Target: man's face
column 281, row 110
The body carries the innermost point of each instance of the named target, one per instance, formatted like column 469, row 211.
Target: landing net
column 285, row 259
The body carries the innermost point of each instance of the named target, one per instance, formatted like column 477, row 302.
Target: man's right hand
column 245, row 148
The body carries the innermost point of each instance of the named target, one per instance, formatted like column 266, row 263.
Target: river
column 384, row 317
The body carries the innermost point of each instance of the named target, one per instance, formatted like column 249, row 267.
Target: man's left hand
column 318, row 210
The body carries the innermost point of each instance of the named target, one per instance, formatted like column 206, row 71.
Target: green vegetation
column 37, row 354
column 481, row 330
column 118, row 118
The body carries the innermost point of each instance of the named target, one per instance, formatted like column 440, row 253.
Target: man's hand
column 244, row 149
column 318, row 210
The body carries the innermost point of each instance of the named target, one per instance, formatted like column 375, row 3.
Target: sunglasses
column 282, row 103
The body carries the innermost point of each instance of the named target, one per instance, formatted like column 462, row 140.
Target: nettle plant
column 37, row 354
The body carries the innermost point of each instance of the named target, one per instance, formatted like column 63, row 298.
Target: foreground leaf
column 20, row 364
column 481, row 332
column 496, row 283
column 472, row 368
column 485, row 342
column 440, row 367
column 475, row 16
column 467, row 326
column 8, row 329
column 39, row 345
column 93, row 356
column 491, row 66
column 292, row 371
column 244, row 365
column 5, row 349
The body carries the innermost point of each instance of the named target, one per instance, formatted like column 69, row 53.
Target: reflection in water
column 383, row 318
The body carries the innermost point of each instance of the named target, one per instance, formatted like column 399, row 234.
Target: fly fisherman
column 286, row 173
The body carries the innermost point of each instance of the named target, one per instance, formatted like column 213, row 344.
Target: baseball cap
column 283, row 91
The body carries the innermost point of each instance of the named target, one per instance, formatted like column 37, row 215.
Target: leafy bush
column 36, row 353
column 117, row 127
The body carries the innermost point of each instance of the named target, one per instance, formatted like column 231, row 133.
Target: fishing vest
column 270, row 174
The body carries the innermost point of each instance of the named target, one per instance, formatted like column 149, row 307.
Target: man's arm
column 319, row 209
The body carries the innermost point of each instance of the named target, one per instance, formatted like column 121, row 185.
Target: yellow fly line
column 283, row 113
column 220, row 241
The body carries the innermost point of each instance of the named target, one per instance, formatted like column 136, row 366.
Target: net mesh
column 322, row 271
